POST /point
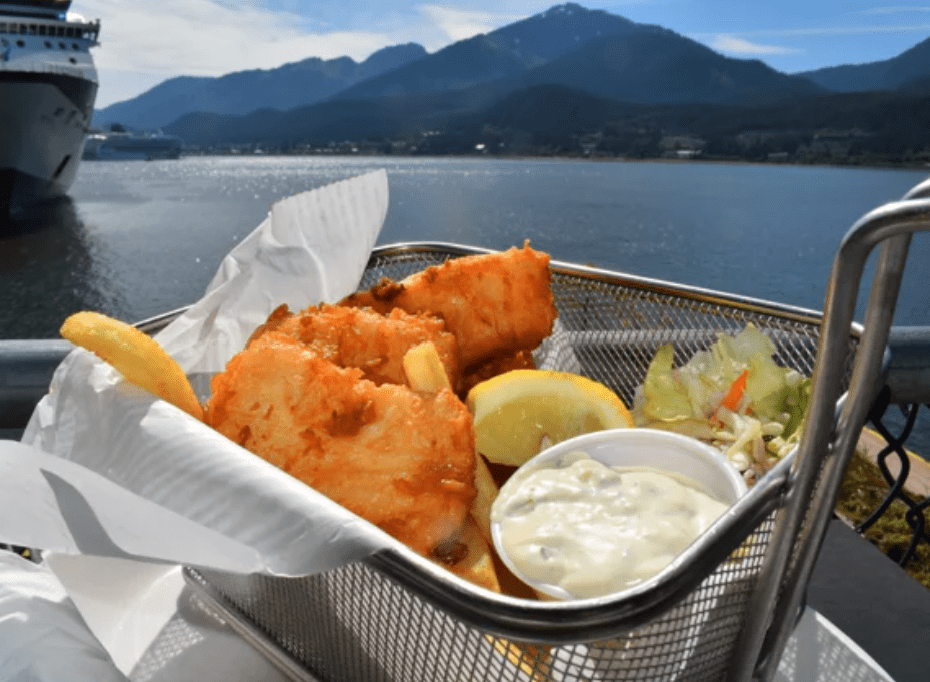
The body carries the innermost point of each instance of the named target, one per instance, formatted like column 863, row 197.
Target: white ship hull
column 48, row 85
column 39, row 150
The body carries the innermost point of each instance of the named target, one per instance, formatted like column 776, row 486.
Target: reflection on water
column 49, row 266
column 142, row 238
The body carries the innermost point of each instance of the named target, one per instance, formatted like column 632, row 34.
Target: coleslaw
column 733, row 396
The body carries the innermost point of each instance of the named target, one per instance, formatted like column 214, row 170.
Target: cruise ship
column 48, row 85
column 123, row 145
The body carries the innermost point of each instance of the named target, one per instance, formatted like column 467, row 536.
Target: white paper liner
column 312, row 248
column 43, row 637
column 172, row 489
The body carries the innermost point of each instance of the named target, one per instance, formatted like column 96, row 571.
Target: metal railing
column 907, row 387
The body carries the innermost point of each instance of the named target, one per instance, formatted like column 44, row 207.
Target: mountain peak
column 571, row 9
column 565, row 9
column 389, row 58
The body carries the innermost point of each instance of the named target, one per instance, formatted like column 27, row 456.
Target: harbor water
column 138, row 238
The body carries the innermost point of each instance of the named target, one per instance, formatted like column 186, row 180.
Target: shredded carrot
column 735, row 394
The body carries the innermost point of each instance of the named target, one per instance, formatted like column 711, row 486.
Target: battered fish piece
column 491, row 367
column 403, row 461
column 364, row 339
column 495, row 304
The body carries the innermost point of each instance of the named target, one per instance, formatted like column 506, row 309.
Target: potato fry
column 477, row 566
column 487, row 492
column 424, row 369
column 137, row 356
column 533, row 661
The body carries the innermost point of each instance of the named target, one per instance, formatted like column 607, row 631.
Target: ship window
column 21, row 43
column 61, row 167
column 48, row 44
column 72, row 60
column 33, row 29
column 75, row 46
column 62, row 46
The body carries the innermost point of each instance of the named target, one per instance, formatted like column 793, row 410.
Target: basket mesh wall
column 356, row 624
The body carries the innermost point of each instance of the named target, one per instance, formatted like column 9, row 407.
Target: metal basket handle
column 828, row 440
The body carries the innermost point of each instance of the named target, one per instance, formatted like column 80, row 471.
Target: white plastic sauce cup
column 666, row 451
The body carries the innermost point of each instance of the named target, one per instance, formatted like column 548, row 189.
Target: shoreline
column 736, row 161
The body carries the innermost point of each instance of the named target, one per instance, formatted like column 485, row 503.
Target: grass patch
column 862, row 491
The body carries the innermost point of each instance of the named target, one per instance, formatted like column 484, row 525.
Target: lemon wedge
column 517, row 411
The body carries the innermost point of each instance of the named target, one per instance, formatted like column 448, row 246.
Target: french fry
column 477, row 566
column 487, row 492
column 534, row 662
column 424, row 370
column 137, row 356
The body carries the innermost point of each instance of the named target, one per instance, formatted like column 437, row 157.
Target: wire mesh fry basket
column 721, row 610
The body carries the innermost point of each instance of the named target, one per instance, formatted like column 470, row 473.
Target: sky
column 144, row 43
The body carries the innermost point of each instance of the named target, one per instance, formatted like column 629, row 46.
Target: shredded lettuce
column 755, row 419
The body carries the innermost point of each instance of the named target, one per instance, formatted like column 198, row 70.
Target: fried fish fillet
column 364, row 339
column 404, row 461
column 495, row 304
column 490, row 368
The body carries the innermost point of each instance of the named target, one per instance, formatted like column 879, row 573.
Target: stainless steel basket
column 721, row 610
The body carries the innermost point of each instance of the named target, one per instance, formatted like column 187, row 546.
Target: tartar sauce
column 594, row 530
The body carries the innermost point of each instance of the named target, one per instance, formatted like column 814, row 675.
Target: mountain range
column 603, row 67
column 889, row 74
column 288, row 86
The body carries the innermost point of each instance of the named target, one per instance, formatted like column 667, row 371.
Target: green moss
column 862, row 491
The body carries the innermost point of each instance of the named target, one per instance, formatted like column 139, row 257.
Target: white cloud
column 147, row 42
column 459, row 24
column 731, row 44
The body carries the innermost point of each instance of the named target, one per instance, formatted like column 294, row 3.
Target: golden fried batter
column 361, row 338
column 495, row 304
column 490, row 368
column 401, row 460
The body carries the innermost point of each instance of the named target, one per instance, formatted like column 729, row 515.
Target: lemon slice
column 514, row 412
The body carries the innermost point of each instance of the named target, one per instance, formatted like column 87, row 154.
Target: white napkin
column 43, row 637
column 143, row 479
column 312, row 248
